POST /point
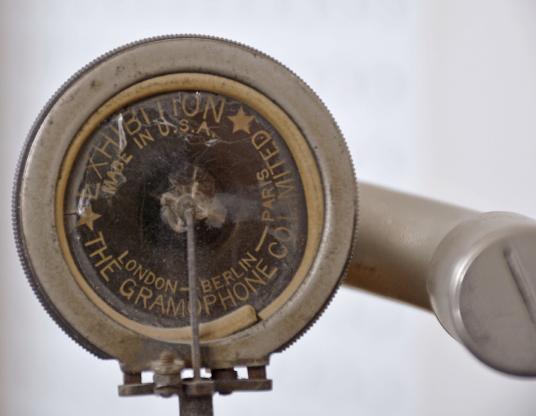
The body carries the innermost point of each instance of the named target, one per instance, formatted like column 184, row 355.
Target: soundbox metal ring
column 39, row 173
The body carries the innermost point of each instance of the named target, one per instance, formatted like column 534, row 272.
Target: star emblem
column 88, row 217
column 241, row 121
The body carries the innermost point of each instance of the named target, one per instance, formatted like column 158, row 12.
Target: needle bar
column 192, row 285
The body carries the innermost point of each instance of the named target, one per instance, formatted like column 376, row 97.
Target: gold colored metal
column 298, row 147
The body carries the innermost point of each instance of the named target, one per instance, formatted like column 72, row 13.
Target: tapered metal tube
column 476, row 271
column 397, row 236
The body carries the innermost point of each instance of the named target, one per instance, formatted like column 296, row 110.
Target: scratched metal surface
column 129, row 213
column 436, row 98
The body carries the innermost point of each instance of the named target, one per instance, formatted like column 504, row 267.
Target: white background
column 436, row 98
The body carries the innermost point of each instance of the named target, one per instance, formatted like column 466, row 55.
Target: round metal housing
column 140, row 71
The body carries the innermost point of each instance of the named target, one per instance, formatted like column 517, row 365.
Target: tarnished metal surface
column 476, row 271
column 398, row 235
column 130, row 176
column 196, row 406
column 263, row 86
column 482, row 282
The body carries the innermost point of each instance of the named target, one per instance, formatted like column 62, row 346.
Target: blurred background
column 434, row 97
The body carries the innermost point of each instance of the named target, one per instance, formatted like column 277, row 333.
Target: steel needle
column 192, row 285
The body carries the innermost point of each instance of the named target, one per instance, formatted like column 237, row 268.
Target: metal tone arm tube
column 476, row 271
column 397, row 237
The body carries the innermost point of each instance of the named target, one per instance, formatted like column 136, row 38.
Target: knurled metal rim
column 33, row 199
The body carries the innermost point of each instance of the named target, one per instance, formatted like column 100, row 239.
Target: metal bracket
column 195, row 396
